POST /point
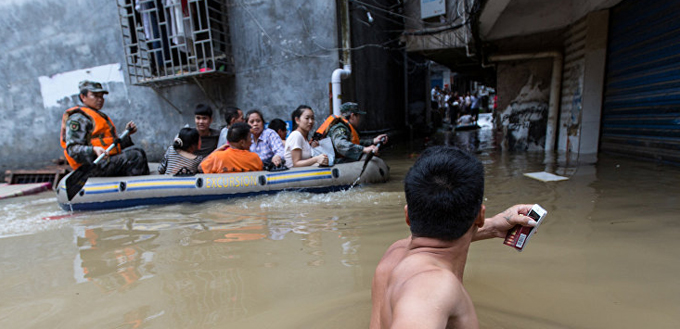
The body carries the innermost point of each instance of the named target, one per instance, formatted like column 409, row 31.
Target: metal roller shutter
column 641, row 111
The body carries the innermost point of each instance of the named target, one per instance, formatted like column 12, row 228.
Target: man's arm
column 78, row 147
column 342, row 144
column 499, row 225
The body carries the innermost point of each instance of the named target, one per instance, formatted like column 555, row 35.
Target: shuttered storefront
column 641, row 112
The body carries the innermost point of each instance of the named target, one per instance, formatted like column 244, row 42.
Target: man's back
column 417, row 288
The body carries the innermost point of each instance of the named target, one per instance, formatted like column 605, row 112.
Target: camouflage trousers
column 131, row 162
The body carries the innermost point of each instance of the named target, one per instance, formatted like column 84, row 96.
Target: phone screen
column 533, row 214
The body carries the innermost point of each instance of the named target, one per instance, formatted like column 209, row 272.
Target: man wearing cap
column 86, row 133
column 342, row 131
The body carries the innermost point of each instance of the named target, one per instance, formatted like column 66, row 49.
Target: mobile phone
column 518, row 236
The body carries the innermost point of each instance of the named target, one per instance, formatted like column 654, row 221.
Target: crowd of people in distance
column 243, row 144
column 457, row 108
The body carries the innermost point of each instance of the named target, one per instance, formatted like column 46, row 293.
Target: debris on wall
column 524, row 120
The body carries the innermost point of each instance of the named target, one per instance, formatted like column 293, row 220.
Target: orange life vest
column 331, row 121
column 103, row 134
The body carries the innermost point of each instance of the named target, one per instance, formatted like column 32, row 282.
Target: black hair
column 238, row 132
column 202, row 109
column 255, row 111
column 298, row 113
column 444, row 192
column 186, row 138
column 278, row 124
column 230, row 114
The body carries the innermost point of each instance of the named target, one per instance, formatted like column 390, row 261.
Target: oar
column 78, row 178
column 368, row 159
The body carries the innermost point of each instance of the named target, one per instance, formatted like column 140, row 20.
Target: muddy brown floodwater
column 605, row 257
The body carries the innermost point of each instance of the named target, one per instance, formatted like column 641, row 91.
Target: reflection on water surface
column 604, row 257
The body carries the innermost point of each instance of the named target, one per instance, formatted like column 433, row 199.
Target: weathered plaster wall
column 523, row 90
column 285, row 52
column 43, row 39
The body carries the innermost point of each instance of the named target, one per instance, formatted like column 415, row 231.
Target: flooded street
column 605, row 257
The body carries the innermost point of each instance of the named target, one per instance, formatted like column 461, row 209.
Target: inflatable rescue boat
column 120, row 192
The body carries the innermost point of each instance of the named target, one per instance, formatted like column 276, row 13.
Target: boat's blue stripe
column 299, row 179
column 100, row 184
column 159, row 187
column 173, row 179
column 101, row 191
column 286, row 173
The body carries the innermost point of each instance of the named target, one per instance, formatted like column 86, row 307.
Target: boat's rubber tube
column 120, row 192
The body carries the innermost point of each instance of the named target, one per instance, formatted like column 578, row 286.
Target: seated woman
column 180, row 157
column 237, row 157
column 266, row 143
column 298, row 152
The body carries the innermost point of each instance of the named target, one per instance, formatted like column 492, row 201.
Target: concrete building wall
column 284, row 52
column 456, row 12
column 582, row 87
column 593, row 88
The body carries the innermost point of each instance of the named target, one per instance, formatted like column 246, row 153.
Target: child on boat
column 180, row 157
column 237, row 157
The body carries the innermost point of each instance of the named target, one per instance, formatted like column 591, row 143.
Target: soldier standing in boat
column 343, row 132
column 86, row 133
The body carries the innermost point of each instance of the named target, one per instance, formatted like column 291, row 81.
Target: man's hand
column 276, row 160
column 369, row 149
column 499, row 225
column 98, row 150
column 132, row 126
column 380, row 139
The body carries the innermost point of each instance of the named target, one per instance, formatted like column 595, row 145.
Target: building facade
column 159, row 59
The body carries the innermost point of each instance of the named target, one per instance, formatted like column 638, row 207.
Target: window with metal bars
column 167, row 41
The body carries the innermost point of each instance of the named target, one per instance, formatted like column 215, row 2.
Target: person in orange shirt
column 237, row 157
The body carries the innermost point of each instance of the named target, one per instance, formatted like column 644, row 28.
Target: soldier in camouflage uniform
column 343, row 133
column 86, row 133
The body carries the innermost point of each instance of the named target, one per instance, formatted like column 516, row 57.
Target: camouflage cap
column 92, row 86
column 350, row 107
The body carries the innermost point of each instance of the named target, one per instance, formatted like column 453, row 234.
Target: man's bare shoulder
column 424, row 293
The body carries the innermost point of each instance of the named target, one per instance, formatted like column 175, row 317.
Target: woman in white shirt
column 298, row 152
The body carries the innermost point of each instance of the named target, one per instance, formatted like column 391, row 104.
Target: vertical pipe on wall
column 339, row 74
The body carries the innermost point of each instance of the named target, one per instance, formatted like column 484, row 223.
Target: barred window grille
column 167, row 41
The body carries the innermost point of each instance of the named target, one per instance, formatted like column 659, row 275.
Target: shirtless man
column 419, row 281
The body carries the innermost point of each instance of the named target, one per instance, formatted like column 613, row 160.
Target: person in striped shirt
column 180, row 158
column 266, row 143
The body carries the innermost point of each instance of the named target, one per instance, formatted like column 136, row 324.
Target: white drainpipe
column 336, row 86
column 555, row 88
column 346, row 70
